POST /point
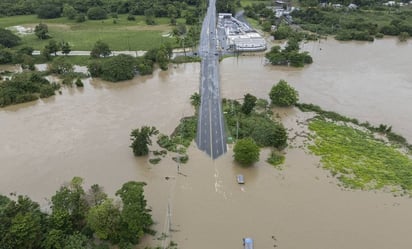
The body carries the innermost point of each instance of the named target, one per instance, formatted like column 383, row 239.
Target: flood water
column 85, row 132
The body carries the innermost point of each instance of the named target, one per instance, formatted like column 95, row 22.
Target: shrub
column 282, row 94
column 246, row 151
column 96, row 13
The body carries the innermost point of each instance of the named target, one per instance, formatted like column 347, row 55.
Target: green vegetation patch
column 186, row 59
column 276, row 159
column 180, row 139
column 155, row 160
column 25, row 87
column 383, row 129
column 358, row 159
column 258, row 124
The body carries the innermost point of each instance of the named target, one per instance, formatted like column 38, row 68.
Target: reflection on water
column 85, row 132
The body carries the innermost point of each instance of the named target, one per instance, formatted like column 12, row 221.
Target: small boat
column 248, row 243
column 240, row 179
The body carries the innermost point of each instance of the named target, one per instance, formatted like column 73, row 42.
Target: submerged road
column 211, row 137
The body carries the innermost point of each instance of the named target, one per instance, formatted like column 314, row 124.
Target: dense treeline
column 363, row 21
column 125, row 67
column 361, row 3
column 77, row 219
column 25, row 87
column 53, row 9
column 355, row 24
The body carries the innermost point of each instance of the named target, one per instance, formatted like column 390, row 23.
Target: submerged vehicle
column 247, row 243
column 240, row 179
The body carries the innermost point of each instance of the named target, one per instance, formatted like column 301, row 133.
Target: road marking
column 210, row 127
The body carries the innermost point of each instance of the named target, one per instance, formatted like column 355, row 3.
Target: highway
column 211, row 137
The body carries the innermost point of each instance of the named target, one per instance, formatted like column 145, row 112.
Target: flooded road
column 85, row 132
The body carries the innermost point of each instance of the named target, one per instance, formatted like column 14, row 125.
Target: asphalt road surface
column 211, row 137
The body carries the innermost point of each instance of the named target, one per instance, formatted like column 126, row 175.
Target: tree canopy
column 48, row 11
column 41, row 31
column 52, row 9
column 25, row 87
column 8, row 39
column 100, row 48
column 282, row 94
column 118, row 68
column 135, row 219
column 141, row 140
column 77, row 217
column 96, row 13
column 249, row 102
column 246, row 151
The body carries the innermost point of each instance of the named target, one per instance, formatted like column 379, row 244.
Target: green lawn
column 120, row 34
column 358, row 159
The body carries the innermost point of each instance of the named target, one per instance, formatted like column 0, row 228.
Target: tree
column 55, row 239
column 8, row 39
column 293, row 45
column 100, row 49
column 141, row 140
column 26, row 50
column 76, row 241
column 48, row 11
column 249, row 103
column 61, row 66
column 162, row 59
column 172, row 11
column 6, row 56
column 225, row 6
column 149, row 16
column 81, row 17
column 21, row 223
column 269, row 134
column 104, row 219
column 95, row 195
column 70, row 203
column 144, row 66
column 118, row 68
column 69, row 12
column 41, row 31
column 96, row 13
column 53, row 47
column 79, row 82
column 95, row 68
column 45, row 52
column 135, row 216
column 282, row 32
column 282, row 94
column 246, row 151
column 65, row 47
column 195, row 100
column 131, row 17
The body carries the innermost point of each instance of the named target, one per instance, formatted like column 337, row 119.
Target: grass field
column 119, row 34
column 358, row 159
column 245, row 3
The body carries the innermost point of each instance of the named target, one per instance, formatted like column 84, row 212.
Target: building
column 239, row 35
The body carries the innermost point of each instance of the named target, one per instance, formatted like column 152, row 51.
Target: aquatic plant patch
column 358, row 160
column 276, row 159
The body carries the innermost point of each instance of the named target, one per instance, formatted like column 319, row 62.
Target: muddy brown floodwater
column 85, row 132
